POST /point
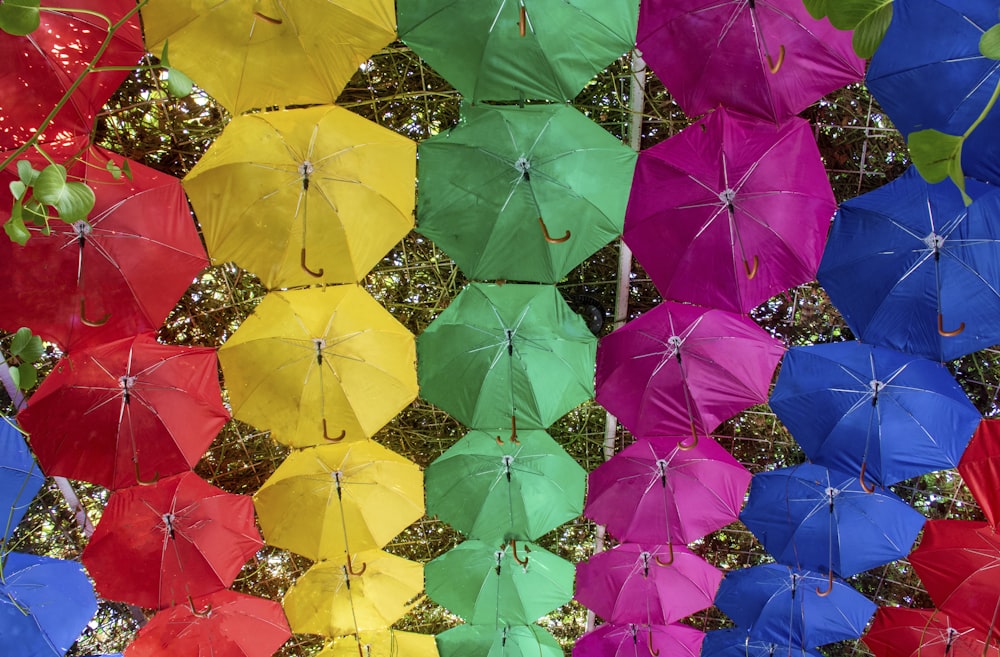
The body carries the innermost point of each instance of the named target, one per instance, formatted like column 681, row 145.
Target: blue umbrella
column 928, row 73
column 910, row 267
column 737, row 642
column 858, row 408
column 781, row 605
column 20, row 479
column 44, row 604
column 818, row 519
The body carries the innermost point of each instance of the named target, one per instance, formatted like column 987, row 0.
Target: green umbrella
column 506, row 641
column 503, row 355
column 523, row 193
column 495, row 490
column 511, row 49
column 514, row 584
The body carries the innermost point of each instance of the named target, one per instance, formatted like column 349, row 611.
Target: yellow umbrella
column 326, row 501
column 304, row 196
column 265, row 53
column 383, row 643
column 371, row 590
column 318, row 365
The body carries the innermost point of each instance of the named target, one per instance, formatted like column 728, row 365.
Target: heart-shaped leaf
column 26, row 173
column 18, row 188
column 14, row 226
column 870, row 31
column 19, row 17
column 989, row 43
column 28, row 377
column 72, row 200
column 938, row 156
column 26, row 346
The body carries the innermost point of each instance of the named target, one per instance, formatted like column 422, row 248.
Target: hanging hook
column 350, row 567
column 649, row 642
column 751, row 272
column 776, row 66
column 200, row 614
column 140, row 480
column 829, row 586
column 694, row 440
column 861, row 478
column 513, row 544
column 314, row 274
column 86, row 322
column 522, row 23
column 549, row 238
column 660, row 562
column 948, row 334
column 333, row 439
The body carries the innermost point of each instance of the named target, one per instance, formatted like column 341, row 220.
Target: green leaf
column 28, row 377
column 72, row 200
column 19, row 17
column 113, row 169
column 18, row 188
column 868, row 33
column 938, row 156
column 818, row 8
column 14, row 227
column 26, row 346
column 848, row 14
column 20, row 341
column 34, row 212
column 178, row 84
column 989, row 43
column 26, row 173
column 126, row 169
column 15, row 376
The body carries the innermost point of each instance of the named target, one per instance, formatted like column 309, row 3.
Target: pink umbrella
column 635, row 583
column 682, row 369
column 730, row 211
column 766, row 58
column 654, row 491
column 633, row 640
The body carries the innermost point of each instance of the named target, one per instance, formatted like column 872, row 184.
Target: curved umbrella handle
column 305, row 267
column 861, row 478
column 334, row 439
column 549, row 238
column 660, row 562
column 140, row 480
column 513, row 544
column 751, row 272
column 522, row 23
column 87, row 322
column 948, row 334
column 649, row 643
column 350, row 567
column 776, row 66
column 694, row 440
column 199, row 614
column 829, row 586
column 513, row 430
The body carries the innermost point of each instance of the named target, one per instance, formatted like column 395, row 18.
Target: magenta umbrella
column 654, row 491
column 684, row 370
column 633, row 640
column 765, row 58
column 730, row 211
column 636, row 583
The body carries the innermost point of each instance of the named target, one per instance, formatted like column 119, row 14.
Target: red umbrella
column 980, row 468
column 115, row 277
column 126, row 412
column 159, row 545
column 223, row 624
column 902, row 632
column 38, row 69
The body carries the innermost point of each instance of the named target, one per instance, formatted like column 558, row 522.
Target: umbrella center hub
column 82, row 229
column 523, row 165
column 306, row 168
column 508, row 459
column 168, row 523
column 876, row 386
column 675, row 341
column 726, row 196
column 934, row 242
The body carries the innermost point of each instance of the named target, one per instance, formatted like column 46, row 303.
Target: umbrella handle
column 694, row 440
column 350, row 567
column 660, row 562
column 776, row 66
column 649, row 643
column 314, row 274
column 522, row 23
column 140, row 480
column 513, row 430
column 948, row 334
column 751, row 272
column 334, row 439
column 549, row 238
column 199, row 614
column 829, row 586
column 86, row 322
column 513, row 544
column 861, row 478
column 263, row 17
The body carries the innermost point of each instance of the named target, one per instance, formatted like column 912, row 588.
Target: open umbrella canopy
column 980, row 468
column 911, row 267
column 44, row 604
column 251, row 54
column 507, row 585
column 517, row 49
column 737, row 642
column 902, row 632
column 504, row 641
column 161, row 544
column 817, row 519
column 126, row 412
column 119, row 273
column 325, row 502
column 304, row 196
column 646, row 584
column 507, row 354
column 683, row 370
column 369, row 591
column 543, row 182
column 495, row 490
column 766, row 58
column 929, row 72
column 222, row 624
column 655, row 491
column 319, row 365
column 885, row 415
column 784, row 606
column 632, row 640
column 20, row 478
column 41, row 67
column 717, row 215
column 382, row 643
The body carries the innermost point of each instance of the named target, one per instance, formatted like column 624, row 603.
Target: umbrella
column 161, row 544
column 319, row 365
column 737, row 642
column 682, row 369
column 813, row 518
column 631, row 640
column 382, row 643
column 222, row 624
column 541, row 181
column 326, row 501
column 507, row 354
column 496, row 490
column 858, row 408
column 499, row 585
column 304, row 196
column 126, row 412
column 928, row 73
column 44, row 604
column 902, row 632
column 655, row 491
column 717, row 216
column 909, row 266
column 505, row 641
column 651, row 584
column 980, row 468
column 517, row 49
column 369, row 591
column 41, row 67
column 251, row 54
column 114, row 276
column 769, row 59
column 785, row 606
column 20, row 479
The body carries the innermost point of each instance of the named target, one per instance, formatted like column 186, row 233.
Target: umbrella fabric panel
column 535, row 49
column 20, row 479
column 633, row 640
column 902, row 632
column 505, row 641
column 541, row 181
column 382, row 643
column 737, row 642
column 980, row 468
